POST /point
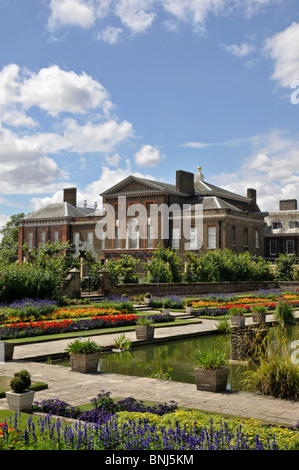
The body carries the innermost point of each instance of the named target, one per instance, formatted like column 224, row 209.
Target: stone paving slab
column 76, row 388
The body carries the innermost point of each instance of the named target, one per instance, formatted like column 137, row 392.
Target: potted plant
column 237, row 317
column 147, row 298
column 84, row 355
column 144, row 328
column 259, row 314
column 166, row 307
column 211, row 371
column 188, row 306
column 20, row 398
column 121, row 343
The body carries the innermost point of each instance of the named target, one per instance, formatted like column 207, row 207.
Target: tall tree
column 9, row 240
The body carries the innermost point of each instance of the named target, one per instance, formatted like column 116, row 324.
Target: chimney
column 288, row 205
column 70, row 196
column 184, row 182
column 251, row 193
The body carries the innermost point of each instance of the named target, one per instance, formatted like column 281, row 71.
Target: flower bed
column 40, row 328
column 214, row 307
column 129, row 424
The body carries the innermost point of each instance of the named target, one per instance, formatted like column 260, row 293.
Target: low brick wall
column 108, row 287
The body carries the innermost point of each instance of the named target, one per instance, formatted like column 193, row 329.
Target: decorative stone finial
column 199, row 176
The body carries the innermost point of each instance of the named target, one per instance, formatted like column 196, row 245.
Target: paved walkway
column 76, row 388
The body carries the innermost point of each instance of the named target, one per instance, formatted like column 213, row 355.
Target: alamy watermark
column 295, row 95
column 137, row 222
column 295, row 354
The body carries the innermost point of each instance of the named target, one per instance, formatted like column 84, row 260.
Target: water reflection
column 144, row 361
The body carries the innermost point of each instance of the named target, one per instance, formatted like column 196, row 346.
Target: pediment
column 132, row 185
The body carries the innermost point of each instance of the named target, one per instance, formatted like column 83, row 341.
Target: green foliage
column 210, row 359
column 21, row 381
column 124, row 270
column 285, row 267
column 24, row 281
column 284, row 313
column 225, row 266
column 224, row 325
column 144, row 321
column 9, row 240
column 165, row 264
column 276, row 374
column 122, row 342
column 57, row 257
column 80, row 346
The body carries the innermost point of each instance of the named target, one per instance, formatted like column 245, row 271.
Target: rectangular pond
column 174, row 356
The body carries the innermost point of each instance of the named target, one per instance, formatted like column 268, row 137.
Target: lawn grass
column 5, row 385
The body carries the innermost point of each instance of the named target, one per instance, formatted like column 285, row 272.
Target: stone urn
column 211, row 380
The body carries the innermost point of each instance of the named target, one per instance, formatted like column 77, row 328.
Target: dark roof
column 59, row 211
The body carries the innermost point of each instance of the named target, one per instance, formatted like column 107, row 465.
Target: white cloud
column 241, row 50
column 148, row 156
column 91, row 193
column 272, row 170
column 71, row 12
column 110, row 34
column 113, row 160
column 139, row 15
column 282, row 47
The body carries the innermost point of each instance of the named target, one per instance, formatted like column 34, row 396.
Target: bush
column 284, row 313
column 225, row 266
column 276, row 375
column 285, row 267
column 24, row 281
column 124, row 270
column 21, row 381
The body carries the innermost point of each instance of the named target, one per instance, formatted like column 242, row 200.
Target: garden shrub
column 285, row 267
column 25, row 281
column 225, row 266
column 123, row 270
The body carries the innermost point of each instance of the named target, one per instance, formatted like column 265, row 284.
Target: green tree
column 9, row 240
column 124, row 270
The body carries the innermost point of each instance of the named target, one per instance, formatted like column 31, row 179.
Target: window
column 293, row 224
column 149, row 236
column 257, row 239
column 117, row 241
column 90, row 237
column 193, row 238
column 30, row 240
column 175, row 242
column 133, row 234
column 273, row 247
column 56, row 236
column 233, row 236
column 42, row 238
column 76, row 237
column 245, row 237
column 211, row 237
column 276, row 225
column 290, row 247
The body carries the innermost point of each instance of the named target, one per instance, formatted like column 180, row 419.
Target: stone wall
column 108, row 288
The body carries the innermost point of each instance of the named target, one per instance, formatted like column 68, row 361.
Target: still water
column 176, row 356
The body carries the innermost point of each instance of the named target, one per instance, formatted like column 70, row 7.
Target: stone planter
column 20, row 401
column 211, row 380
column 9, row 349
column 189, row 309
column 85, row 363
column 147, row 300
column 237, row 321
column 144, row 331
column 258, row 317
column 166, row 311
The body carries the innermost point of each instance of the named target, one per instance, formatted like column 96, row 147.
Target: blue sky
column 92, row 91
